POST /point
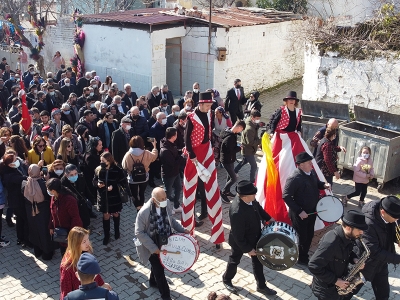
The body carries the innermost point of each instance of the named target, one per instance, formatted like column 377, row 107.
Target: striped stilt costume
column 204, row 155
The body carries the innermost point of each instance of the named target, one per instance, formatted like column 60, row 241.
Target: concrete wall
column 123, row 53
column 348, row 12
column 369, row 83
column 262, row 56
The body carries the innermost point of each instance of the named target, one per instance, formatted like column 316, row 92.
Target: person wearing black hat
column 246, row 217
column 120, row 139
column 198, row 147
column 234, row 101
column 301, row 194
column 381, row 217
column 87, row 269
column 330, row 261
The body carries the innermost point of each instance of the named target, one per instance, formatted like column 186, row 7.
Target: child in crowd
column 363, row 173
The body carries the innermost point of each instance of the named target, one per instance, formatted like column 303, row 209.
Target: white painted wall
column 369, row 83
column 262, row 56
column 348, row 12
column 123, row 53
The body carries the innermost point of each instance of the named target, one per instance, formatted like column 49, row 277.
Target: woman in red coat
column 63, row 208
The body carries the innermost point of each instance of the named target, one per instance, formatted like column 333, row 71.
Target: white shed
column 155, row 46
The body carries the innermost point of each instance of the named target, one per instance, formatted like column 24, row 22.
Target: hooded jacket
column 228, row 147
column 171, row 159
column 250, row 139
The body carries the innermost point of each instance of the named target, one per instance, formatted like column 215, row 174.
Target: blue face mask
column 50, row 194
column 12, row 78
column 73, row 178
column 67, row 112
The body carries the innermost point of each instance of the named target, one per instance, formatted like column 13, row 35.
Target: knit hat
column 80, row 129
column 88, row 264
column 55, row 111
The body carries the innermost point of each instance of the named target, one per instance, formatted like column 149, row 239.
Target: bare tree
column 94, row 6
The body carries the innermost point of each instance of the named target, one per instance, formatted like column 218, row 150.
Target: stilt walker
column 201, row 163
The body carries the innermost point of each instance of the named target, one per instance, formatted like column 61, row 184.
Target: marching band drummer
column 301, row 194
column 246, row 216
column 335, row 251
column 152, row 229
column 381, row 217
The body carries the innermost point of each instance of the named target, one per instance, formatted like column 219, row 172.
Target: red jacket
column 64, row 212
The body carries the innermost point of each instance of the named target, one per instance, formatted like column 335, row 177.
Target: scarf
column 107, row 134
column 158, row 224
column 32, row 190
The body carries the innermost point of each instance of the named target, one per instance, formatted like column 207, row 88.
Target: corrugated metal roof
column 148, row 16
column 229, row 17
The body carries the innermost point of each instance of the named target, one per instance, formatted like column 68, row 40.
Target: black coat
column 39, row 224
column 130, row 101
column 232, row 103
column 67, row 90
column 301, row 191
column 169, row 97
column 119, row 145
column 153, row 101
column 67, row 120
column 4, row 95
column 80, row 189
column 109, row 201
column 81, row 84
column 102, row 132
column 329, row 262
column 379, row 238
column 12, row 181
column 171, row 159
column 140, row 127
column 228, row 147
column 246, row 224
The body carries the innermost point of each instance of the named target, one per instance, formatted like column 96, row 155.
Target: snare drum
column 277, row 248
column 330, row 209
column 180, row 254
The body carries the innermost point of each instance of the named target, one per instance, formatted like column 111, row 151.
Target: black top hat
column 205, row 97
column 303, row 157
column 291, row 95
column 355, row 219
column 391, row 204
column 245, row 187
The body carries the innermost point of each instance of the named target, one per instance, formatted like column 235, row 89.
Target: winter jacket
column 64, row 212
column 140, row 127
column 229, row 147
column 136, row 154
column 171, row 159
column 250, row 139
column 360, row 176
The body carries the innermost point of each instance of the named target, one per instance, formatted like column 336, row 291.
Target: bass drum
column 277, row 248
column 180, row 254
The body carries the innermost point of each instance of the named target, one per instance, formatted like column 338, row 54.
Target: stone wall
column 372, row 83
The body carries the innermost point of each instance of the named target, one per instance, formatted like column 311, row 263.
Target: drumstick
column 170, row 252
column 317, row 212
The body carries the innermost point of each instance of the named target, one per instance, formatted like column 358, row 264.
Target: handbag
column 123, row 194
column 60, row 234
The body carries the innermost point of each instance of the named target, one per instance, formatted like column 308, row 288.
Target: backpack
column 138, row 173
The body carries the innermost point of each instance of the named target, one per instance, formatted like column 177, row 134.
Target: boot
column 116, row 226
column 106, row 229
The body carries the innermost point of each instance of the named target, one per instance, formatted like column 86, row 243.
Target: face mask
column 188, row 107
column 257, row 121
column 67, row 112
column 52, row 93
column 94, row 86
column 103, row 165
column 195, row 90
column 365, row 156
column 73, row 102
column 35, row 92
column 128, row 127
column 162, row 204
column 58, row 172
column 158, row 94
column 67, row 84
column 12, row 78
column 73, row 178
column 238, row 86
column 176, row 113
column 92, row 105
column 32, row 73
column 141, row 107
column 164, row 121
column 119, row 105
column 135, row 117
column 91, row 94
column 86, row 135
column 50, row 194
column 15, row 165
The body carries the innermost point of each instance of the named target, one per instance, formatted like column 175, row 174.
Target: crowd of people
column 92, row 146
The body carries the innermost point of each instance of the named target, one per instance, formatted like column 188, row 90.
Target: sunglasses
column 40, row 146
column 69, row 146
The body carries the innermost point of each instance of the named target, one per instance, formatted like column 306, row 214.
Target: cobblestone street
column 22, row 276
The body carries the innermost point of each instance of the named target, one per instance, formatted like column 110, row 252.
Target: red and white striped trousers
column 204, row 156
